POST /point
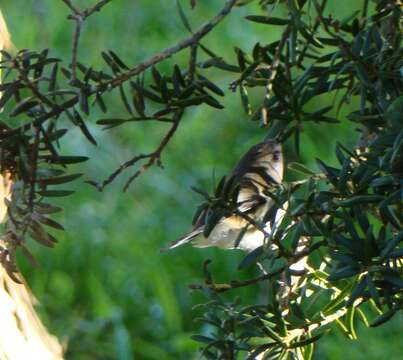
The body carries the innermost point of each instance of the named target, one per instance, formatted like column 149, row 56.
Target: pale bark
column 22, row 334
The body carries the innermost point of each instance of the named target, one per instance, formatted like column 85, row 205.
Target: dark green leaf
column 359, row 200
column 65, row 160
column 83, row 127
column 55, row 193
column 8, row 93
column 391, row 244
column 344, row 272
column 203, row 339
column 251, row 258
column 357, row 291
column 383, row 318
column 267, row 20
column 59, row 180
column 23, row 106
column 307, row 341
column 301, row 169
column 117, row 60
column 47, row 221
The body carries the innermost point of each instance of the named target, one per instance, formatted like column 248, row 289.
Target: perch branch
column 237, row 284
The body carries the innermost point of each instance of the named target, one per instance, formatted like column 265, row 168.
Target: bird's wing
column 254, row 173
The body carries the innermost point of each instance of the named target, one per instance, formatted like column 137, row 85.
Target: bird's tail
column 183, row 240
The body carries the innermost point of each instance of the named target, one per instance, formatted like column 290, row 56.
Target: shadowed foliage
column 343, row 221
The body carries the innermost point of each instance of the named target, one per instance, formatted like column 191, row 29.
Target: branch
column 78, row 17
column 36, row 92
column 41, row 119
column 192, row 62
column 154, row 157
column 77, row 32
column 273, row 73
column 237, row 284
column 97, row 7
column 167, row 53
column 122, row 168
column 70, row 5
column 203, row 31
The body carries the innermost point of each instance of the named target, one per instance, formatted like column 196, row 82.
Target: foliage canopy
column 343, row 224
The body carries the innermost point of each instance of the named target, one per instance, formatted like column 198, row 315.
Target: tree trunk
column 22, row 334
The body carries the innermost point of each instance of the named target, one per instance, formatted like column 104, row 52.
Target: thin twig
column 237, row 284
column 155, row 157
column 33, row 168
column 192, row 62
column 77, row 32
column 123, row 167
column 72, row 7
column 79, row 17
column 36, row 92
column 97, row 7
column 273, row 73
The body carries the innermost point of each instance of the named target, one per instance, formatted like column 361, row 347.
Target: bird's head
column 271, row 147
column 270, row 155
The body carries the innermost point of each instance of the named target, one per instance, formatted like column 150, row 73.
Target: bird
column 258, row 171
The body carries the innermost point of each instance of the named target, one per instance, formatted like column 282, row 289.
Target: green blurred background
column 106, row 290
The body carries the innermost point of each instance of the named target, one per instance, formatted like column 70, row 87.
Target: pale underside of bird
column 259, row 170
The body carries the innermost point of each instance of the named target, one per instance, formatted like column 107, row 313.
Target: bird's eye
column 276, row 155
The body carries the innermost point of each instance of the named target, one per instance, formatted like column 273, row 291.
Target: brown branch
column 189, row 41
column 153, row 158
column 70, row 5
column 237, row 284
column 122, row 168
column 192, row 62
column 36, row 92
column 77, row 32
column 79, row 17
column 97, row 7
column 167, row 53
column 273, row 73
column 33, row 168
